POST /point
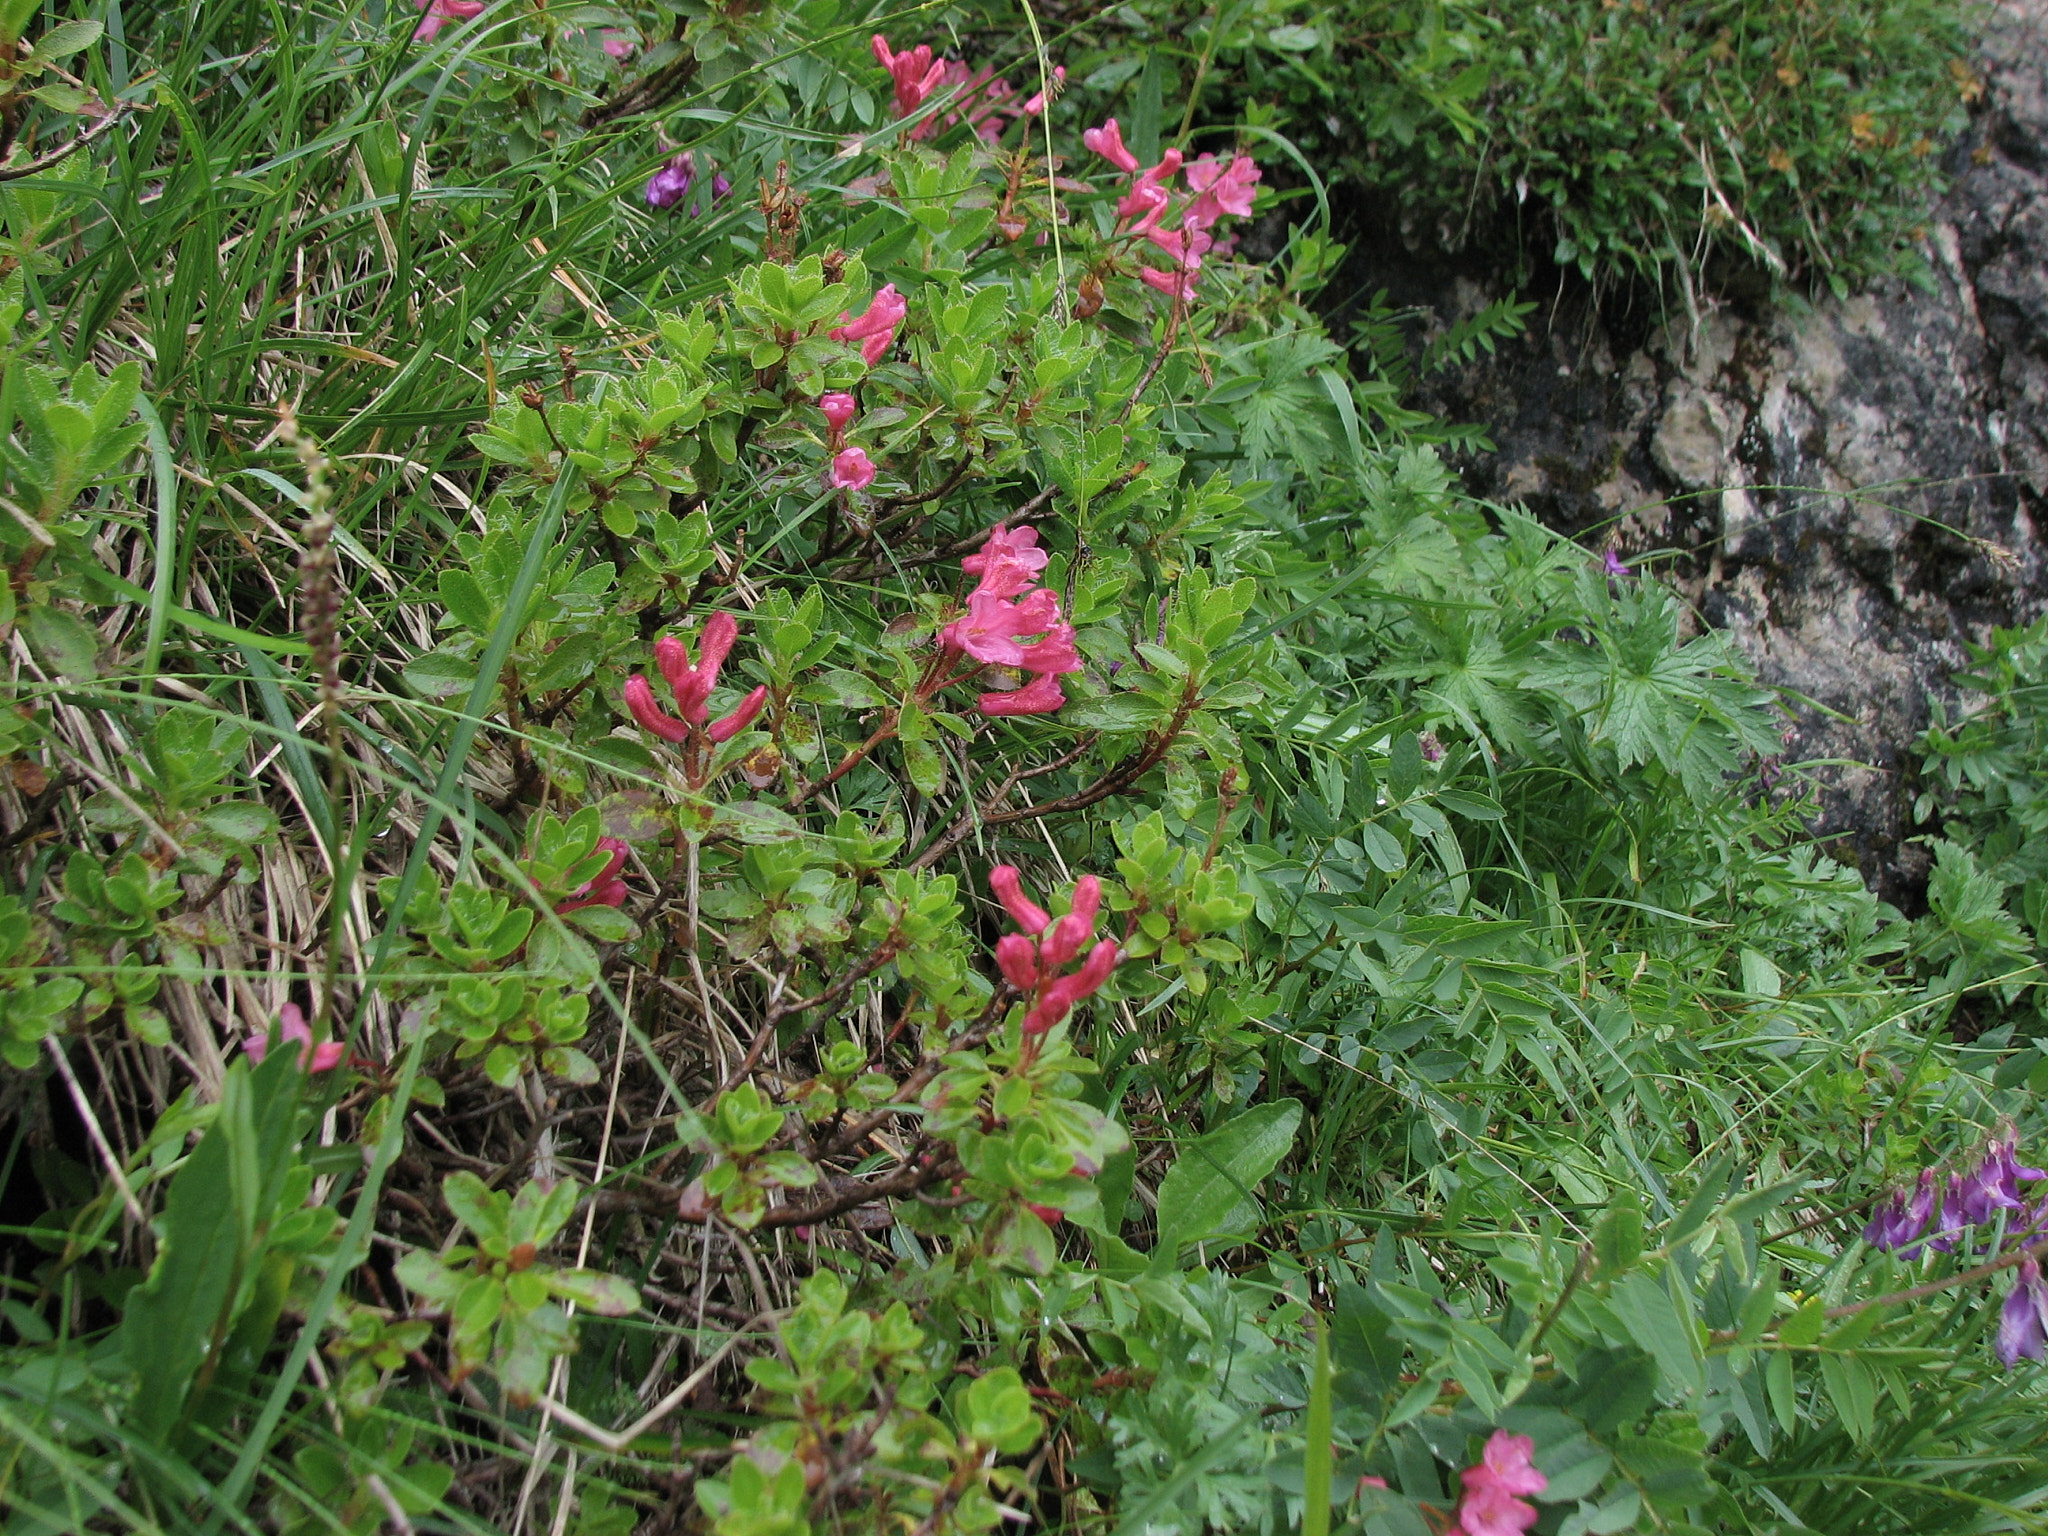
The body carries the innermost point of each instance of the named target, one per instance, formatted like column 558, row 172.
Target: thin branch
column 92, row 1129
column 98, row 130
column 616, row 1441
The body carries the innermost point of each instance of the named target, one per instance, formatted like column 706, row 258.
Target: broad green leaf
column 209, row 1242
column 62, row 642
column 1853, row 1390
column 1646, row 1310
column 1216, row 1173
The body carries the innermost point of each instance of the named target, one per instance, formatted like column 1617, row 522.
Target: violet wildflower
column 1613, row 564
column 2023, row 1321
column 1902, row 1220
column 1993, row 1186
column 671, row 184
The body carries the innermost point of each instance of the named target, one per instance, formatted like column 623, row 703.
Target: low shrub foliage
column 742, row 796
column 1647, row 140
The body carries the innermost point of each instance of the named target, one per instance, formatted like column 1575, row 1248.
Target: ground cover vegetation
column 1671, row 143
column 739, row 796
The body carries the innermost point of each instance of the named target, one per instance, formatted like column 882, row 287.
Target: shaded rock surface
column 1852, row 488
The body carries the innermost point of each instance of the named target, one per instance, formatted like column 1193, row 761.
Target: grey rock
column 1852, row 488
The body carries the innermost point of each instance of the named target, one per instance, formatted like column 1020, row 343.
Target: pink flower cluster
column 1490, row 1506
column 1004, row 610
column 440, row 12
column 1218, row 187
column 986, row 103
column 605, row 889
column 291, row 1025
column 875, row 330
column 692, row 687
column 1031, row 961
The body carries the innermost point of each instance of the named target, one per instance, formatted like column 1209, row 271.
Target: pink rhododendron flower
column 875, row 330
column 1055, row 653
column 739, row 719
column 1041, row 696
column 981, row 99
column 291, row 1025
column 1490, row 1506
column 692, row 687
column 987, row 631
column 1108, row 142
column 1175, row 285
column 1034, row 969
column 1056, row 1001
column 1010, row 622
column 1221, row 188
column 1218, row 188
column 605, row 888
column 851, row 470
column 912, row 72
column 1070, row 933
column 1035, row 102
column 619, row 45
column 440, row 12
column 1016, row 961
column 1024, row 912
column 1008, row 563
column 839, row 409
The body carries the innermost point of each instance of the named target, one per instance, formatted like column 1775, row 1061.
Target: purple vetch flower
column 1902, row 1220
column 1613, row 564
column 671, row 184
column 721, row 186
column 2023, row 1321
column 1993, row 1186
